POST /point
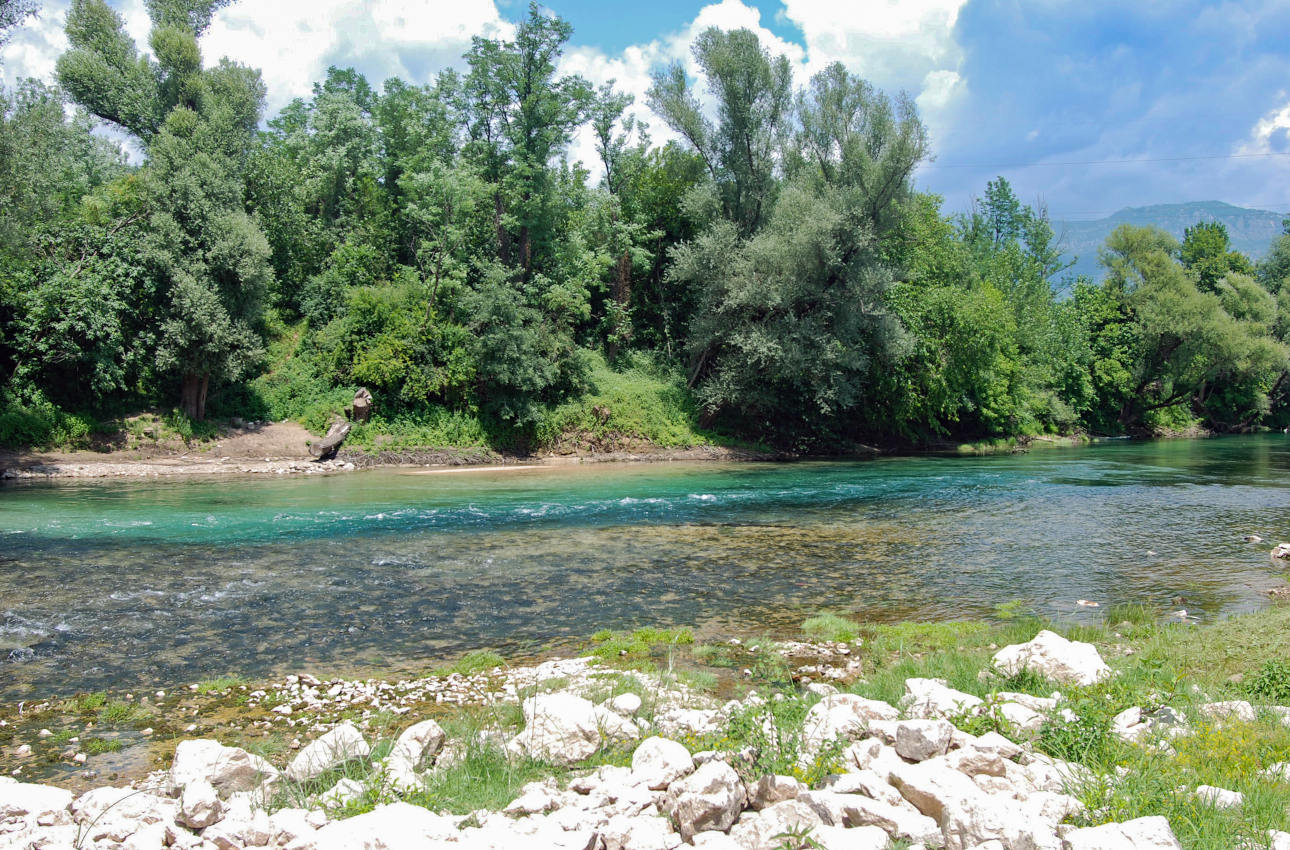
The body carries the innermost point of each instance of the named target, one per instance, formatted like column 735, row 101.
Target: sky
column 1086, row 106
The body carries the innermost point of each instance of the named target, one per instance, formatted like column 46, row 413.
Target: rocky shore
column 640, row 760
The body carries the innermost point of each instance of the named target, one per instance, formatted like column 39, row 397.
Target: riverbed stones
column 658, row 762
column 711, row 798
column 561, row 728
column 333, row 749
column 227, row 769
column 1055, row 658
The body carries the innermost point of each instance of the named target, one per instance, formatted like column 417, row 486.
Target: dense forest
column 771, row 277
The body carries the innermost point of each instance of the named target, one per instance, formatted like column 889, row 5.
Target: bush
column 1272, row 682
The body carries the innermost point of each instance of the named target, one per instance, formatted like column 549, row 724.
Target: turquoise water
column 137, row 583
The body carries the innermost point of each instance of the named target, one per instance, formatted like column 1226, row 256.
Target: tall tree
column 13, row 13
column 754, row 97
column 197, row 126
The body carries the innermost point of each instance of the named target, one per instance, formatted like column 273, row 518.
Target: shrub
column 1272, row 682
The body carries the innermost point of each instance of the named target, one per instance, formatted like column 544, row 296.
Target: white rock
column 342, row 793
column 658, row 762
column 710, row 798
column 967, row 815
column 845, row 716
column 771, row 789
column 1220, row 798
column 764, row 830
column 1024, row 718
column 1237, row 709
column 1278, row 840
column 639, row 833
column 418, row 744
column 152, row 837
column 1152, row 833
column 287, row 825
column 851, row 810
column 713, row 840
column 227, row 769
column 560, row 728
column 335, row 748
column 113, row 814
column 400, row 826
column 1054, row 657
column 858, row 838
column 615, row 727
column 199, row 806
column 975, row 761
column 994, row 742
column 934, row 698
column 866, row 782
column 919, row 740
column 625, row 704
column 21, row 799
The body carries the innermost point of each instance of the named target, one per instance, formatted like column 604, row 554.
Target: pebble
column 23, row 751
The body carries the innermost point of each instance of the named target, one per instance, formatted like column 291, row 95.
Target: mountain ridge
column 1251, row 230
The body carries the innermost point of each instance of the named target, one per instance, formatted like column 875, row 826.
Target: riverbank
column 1181, row 707
column 283, row 449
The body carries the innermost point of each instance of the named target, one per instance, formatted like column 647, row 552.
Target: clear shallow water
column 128, row 584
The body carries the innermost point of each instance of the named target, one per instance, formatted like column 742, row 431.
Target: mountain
column 1252, row 231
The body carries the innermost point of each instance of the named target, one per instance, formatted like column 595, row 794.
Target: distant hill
column 1252, row 231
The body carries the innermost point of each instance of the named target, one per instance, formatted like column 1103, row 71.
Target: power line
column 934, row 165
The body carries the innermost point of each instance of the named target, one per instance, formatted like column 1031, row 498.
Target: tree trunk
column 192, row 399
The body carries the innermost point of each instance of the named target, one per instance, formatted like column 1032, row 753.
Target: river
column 128, row 584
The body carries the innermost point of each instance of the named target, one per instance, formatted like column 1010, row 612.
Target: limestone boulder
column 1151, row 833
column 227, row 769
column 916, row 740
column 764, row 830
column 560, row 728
column 624, row 832
column 23, row 799
column 711, row 798
column 333, row 749
column 842, row 716
column 1055, row 658
column 900, row 820
column 199, row 805
column 415, row 748
column 658, row 762
column 934, row 698
column 392, row 827
column 772, row 789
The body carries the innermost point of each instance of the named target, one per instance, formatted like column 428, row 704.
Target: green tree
column 1206, row 253
column 209, row 257
column 754, row 97
column 13, row 13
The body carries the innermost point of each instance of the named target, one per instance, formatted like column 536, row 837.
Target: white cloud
column 293, row 41
column 1270, row 134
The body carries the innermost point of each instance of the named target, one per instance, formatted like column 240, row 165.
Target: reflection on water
column 138, row 583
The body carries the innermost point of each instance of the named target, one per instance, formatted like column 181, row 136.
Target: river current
column 154, row 583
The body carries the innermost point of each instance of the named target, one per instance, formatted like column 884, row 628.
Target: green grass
column 222, row 683
column 96, row 746
column 642, row 401
column 639, row 645
column 475, row 661
column 830, row 627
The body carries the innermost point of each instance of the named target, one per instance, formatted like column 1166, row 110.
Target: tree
column 519, row 116
column 209, row 257
column 13, row 13
column 1205, row 252
column 1182, row 339
column 754, row 98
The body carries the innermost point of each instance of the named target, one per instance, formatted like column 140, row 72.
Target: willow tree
column 196, row 126
column 792, row 322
